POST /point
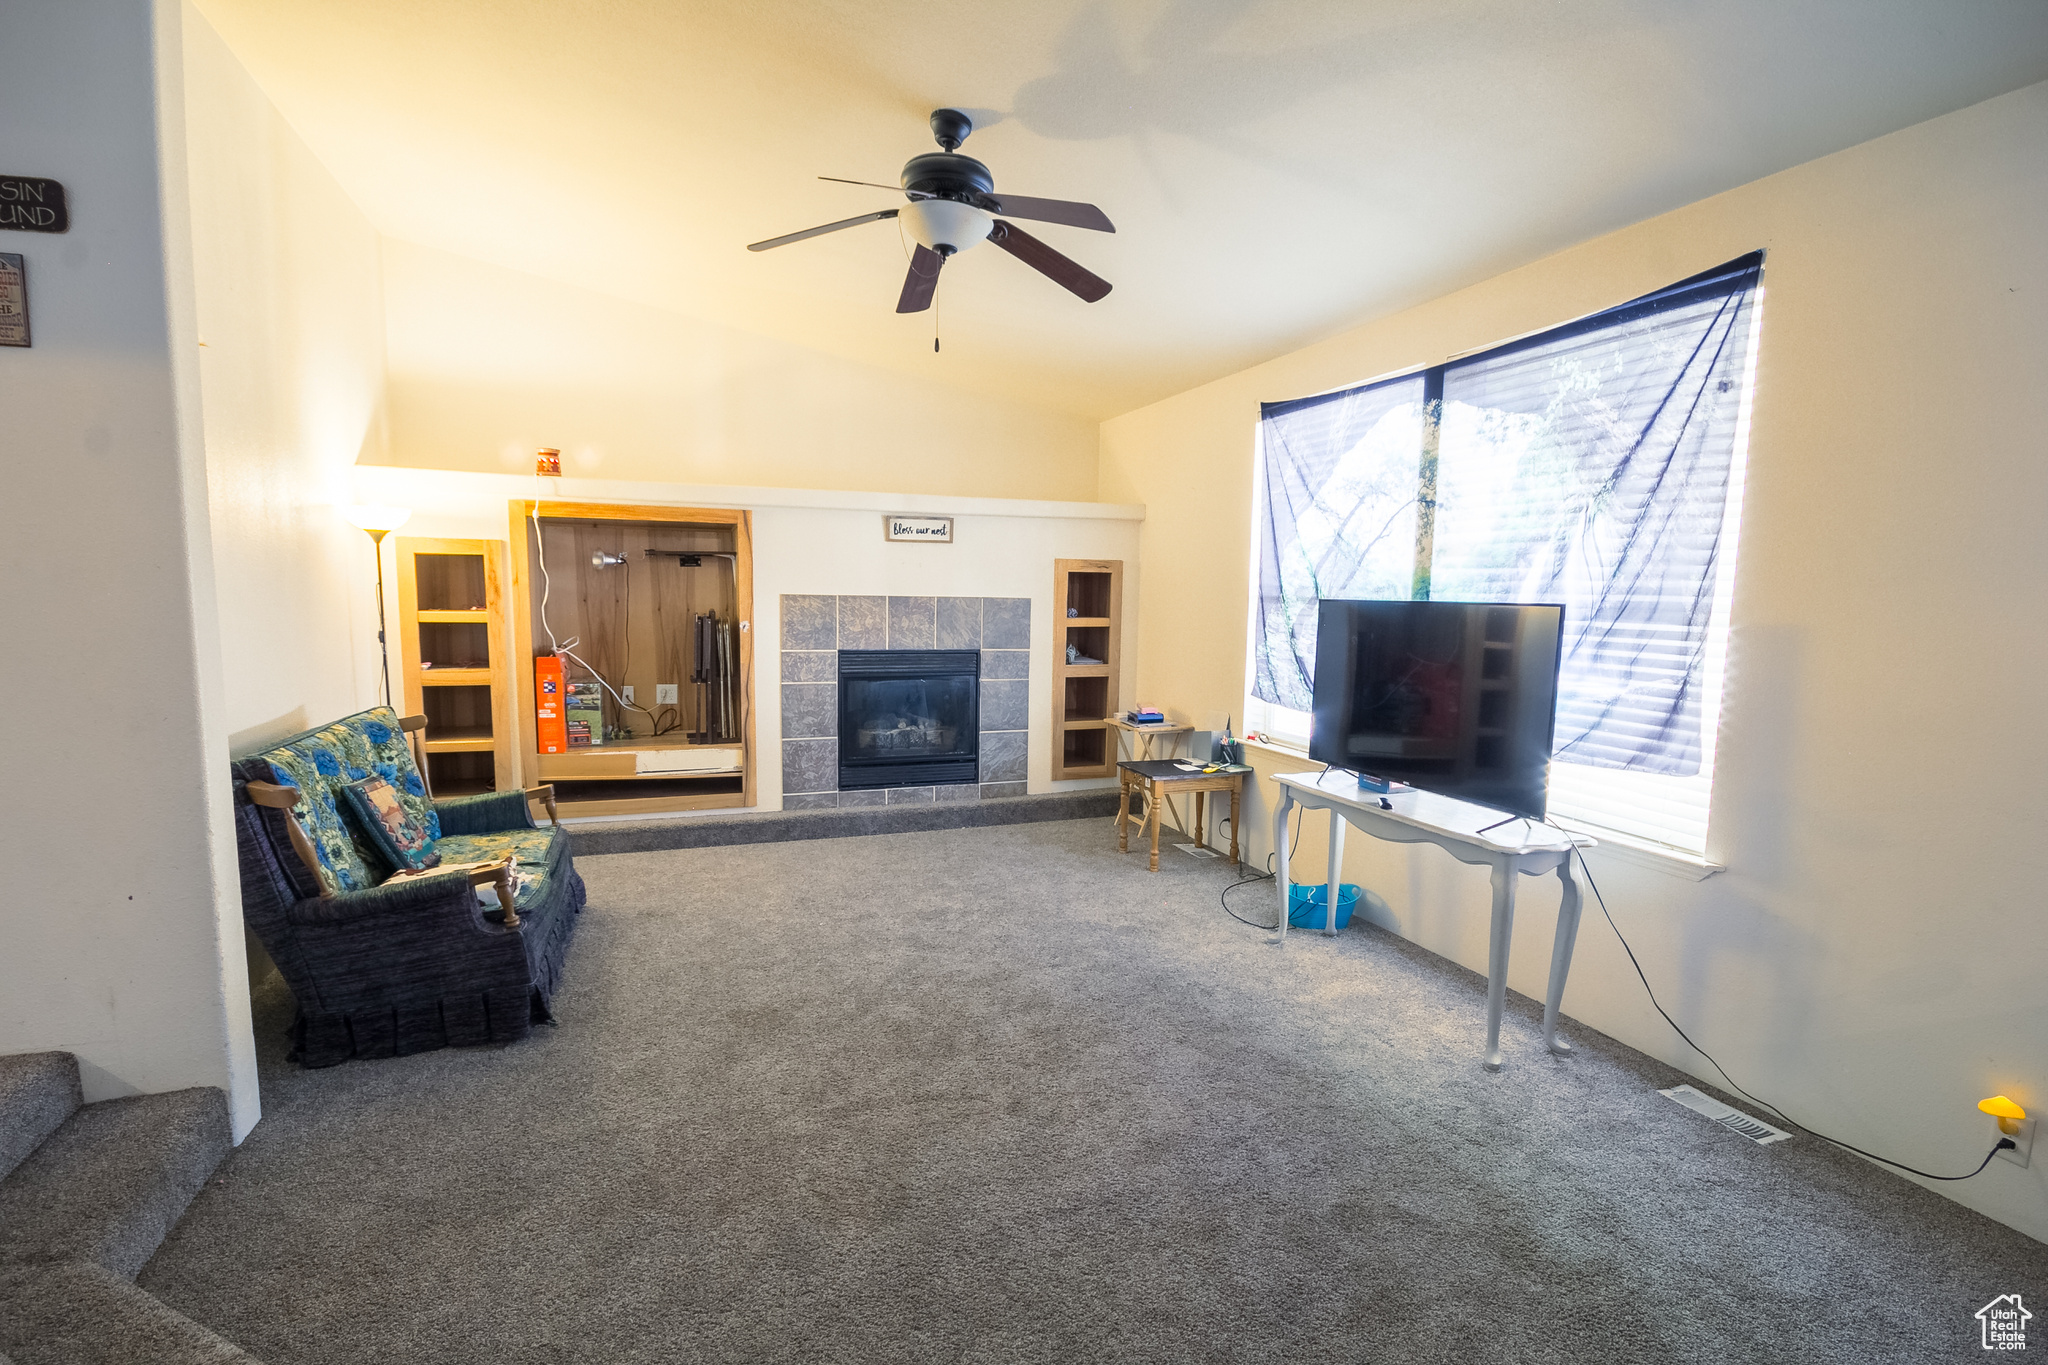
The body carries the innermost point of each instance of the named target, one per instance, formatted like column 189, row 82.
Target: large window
column 1598, row 465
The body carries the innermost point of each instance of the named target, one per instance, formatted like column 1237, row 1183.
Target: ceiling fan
column 952, row 202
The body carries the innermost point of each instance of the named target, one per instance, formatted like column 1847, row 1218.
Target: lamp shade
column 1999, row 1107
column 376, row 517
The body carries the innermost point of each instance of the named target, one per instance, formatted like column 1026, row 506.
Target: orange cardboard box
column 549, row 698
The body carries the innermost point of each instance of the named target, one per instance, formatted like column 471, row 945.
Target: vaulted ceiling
column 1276, row 169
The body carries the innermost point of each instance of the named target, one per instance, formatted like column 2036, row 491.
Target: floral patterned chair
column 384, row 968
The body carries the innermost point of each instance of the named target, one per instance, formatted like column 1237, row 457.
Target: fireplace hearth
column 909, row 718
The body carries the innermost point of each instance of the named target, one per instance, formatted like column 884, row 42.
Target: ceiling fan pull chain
column 935, row 324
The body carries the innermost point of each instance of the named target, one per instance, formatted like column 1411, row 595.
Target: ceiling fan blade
column 922, row 281
column 1063, row 211
column 821, row 231
column 1048, row 262
column 842, row 180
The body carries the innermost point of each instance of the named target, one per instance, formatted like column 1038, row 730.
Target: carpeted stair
column 89, row 1193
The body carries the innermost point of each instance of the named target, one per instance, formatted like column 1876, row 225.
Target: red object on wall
column 549, row 698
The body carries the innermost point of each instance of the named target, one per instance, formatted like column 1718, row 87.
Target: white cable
column 546, row 583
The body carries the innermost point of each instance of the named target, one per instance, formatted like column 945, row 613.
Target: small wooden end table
column 1140, row 739
column 1158, row 779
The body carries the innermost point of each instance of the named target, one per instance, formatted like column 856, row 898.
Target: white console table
column 1517, row 847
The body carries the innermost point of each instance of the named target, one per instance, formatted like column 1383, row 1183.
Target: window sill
column 1625, row 848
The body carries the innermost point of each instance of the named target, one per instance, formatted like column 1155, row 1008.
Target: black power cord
column 1293, row 841
column 2003, row 1142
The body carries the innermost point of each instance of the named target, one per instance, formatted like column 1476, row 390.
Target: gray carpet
column 1000, row 1095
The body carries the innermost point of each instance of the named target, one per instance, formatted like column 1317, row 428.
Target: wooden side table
column 1157, row 780
column 1139, row 744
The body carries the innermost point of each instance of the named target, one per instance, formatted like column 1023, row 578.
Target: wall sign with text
column 931, row 530
column 30, row 203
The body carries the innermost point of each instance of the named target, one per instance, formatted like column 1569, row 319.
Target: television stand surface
column 1465, row 832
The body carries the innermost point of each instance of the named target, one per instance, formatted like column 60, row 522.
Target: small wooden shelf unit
column 634, row 621
column 1084, row 695
column 455, row 662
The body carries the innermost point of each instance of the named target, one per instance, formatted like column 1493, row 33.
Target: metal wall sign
column 13, row 301
column 931, row 530
column 29, row 203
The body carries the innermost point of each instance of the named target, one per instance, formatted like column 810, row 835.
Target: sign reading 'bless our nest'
column 932, row 530
column 31, row 204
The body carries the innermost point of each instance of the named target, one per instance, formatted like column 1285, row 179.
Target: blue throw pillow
column 390, row 829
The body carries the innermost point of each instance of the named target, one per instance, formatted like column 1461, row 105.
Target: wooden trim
column 279, row 797
column 638, row 511
column 1110, row 669
column 500, row 877
column 519, row 550
column 519, row 516
column 743, row 605
column 476, row 744
column 497, row 676
column 651, row 805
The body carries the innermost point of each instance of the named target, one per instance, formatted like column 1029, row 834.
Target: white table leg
column 1497, row 956
column 1337, row 823
column 1280, row 852
column 1561, row 955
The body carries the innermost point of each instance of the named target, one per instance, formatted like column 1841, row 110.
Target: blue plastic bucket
column 1305, row 905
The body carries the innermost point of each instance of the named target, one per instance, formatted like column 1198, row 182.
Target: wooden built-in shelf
column 1083, row 694
column 451, row 608
column 619, row 762
column 462, row 743
column 665, row 566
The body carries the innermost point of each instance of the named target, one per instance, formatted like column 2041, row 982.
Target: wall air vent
column 1734, row 1120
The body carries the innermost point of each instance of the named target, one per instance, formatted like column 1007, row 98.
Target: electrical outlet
column 627, row 693
column 664, row 694
column 2022, row 1148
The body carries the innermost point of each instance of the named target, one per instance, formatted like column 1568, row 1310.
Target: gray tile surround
column 810, row 622
column 810, row 710
column 959, row 623
column 815, row 666
column 816, row 626
column 912, row 623
column 863, row 624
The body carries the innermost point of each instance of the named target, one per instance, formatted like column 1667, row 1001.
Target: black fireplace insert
column 909, row 717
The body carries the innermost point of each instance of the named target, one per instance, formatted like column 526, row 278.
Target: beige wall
column 1872, row 956
column 807, row 541
column 122, row 918
column 290, row 314
column 488, row 364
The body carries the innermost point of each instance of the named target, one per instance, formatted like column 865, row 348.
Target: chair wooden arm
column 500, row 876
column 546, row 796
column 283, row 798
column 415, row 728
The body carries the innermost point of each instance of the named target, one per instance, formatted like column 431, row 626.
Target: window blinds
column 1593, row 465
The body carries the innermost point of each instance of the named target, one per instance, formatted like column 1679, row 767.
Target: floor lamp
column 378, row 521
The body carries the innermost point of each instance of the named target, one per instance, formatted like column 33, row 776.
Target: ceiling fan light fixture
column 945, row 225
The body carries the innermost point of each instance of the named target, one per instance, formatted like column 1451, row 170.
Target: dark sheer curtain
column 1589, row 465
column 1338, row 512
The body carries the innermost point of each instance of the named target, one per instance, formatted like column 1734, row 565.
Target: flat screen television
column 1458, row 698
